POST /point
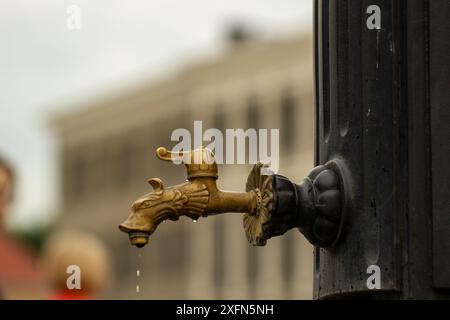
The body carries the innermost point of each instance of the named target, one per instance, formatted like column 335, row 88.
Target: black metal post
column 383, row 106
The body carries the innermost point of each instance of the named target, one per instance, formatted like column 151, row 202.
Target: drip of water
column 138, row 272
column 194, row 221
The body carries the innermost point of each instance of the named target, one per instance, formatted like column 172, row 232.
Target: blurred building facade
column 107, row 155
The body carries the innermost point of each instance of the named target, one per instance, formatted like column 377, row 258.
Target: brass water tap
column 271, row 204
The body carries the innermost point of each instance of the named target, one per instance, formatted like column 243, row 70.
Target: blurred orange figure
column 77, row 266
column 19, row 276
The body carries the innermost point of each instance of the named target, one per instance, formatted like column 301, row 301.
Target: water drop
column 194, row 221
column 137, row 288
column 138, row 273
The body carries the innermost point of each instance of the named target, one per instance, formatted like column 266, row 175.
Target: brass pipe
column 225, row 201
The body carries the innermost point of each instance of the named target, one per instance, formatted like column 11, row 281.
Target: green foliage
column 34, row 237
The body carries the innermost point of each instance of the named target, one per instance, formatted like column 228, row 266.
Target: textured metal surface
column 440, row 139
column 382, row 105
column 357, row 114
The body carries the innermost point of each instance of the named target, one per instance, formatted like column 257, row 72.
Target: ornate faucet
column 271, row 204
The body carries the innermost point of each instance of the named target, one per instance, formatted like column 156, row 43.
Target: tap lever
column 200, row 162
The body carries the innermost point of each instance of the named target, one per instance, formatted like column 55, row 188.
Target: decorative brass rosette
column 257, row 223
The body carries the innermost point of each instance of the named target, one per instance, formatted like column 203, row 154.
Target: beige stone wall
column 109, row 147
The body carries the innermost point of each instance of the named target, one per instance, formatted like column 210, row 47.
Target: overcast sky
column 45, row 67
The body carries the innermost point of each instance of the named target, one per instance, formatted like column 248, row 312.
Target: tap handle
column 175, row 157
column 200, row 162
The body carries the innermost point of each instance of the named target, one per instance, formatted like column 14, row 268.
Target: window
column 253, row 113
column 288, row 106
column 219, row 228
column 124, row 165
column 219, row 248
column 219, row 117
column 252, row 254
column 287, row 259
column 76, row 175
